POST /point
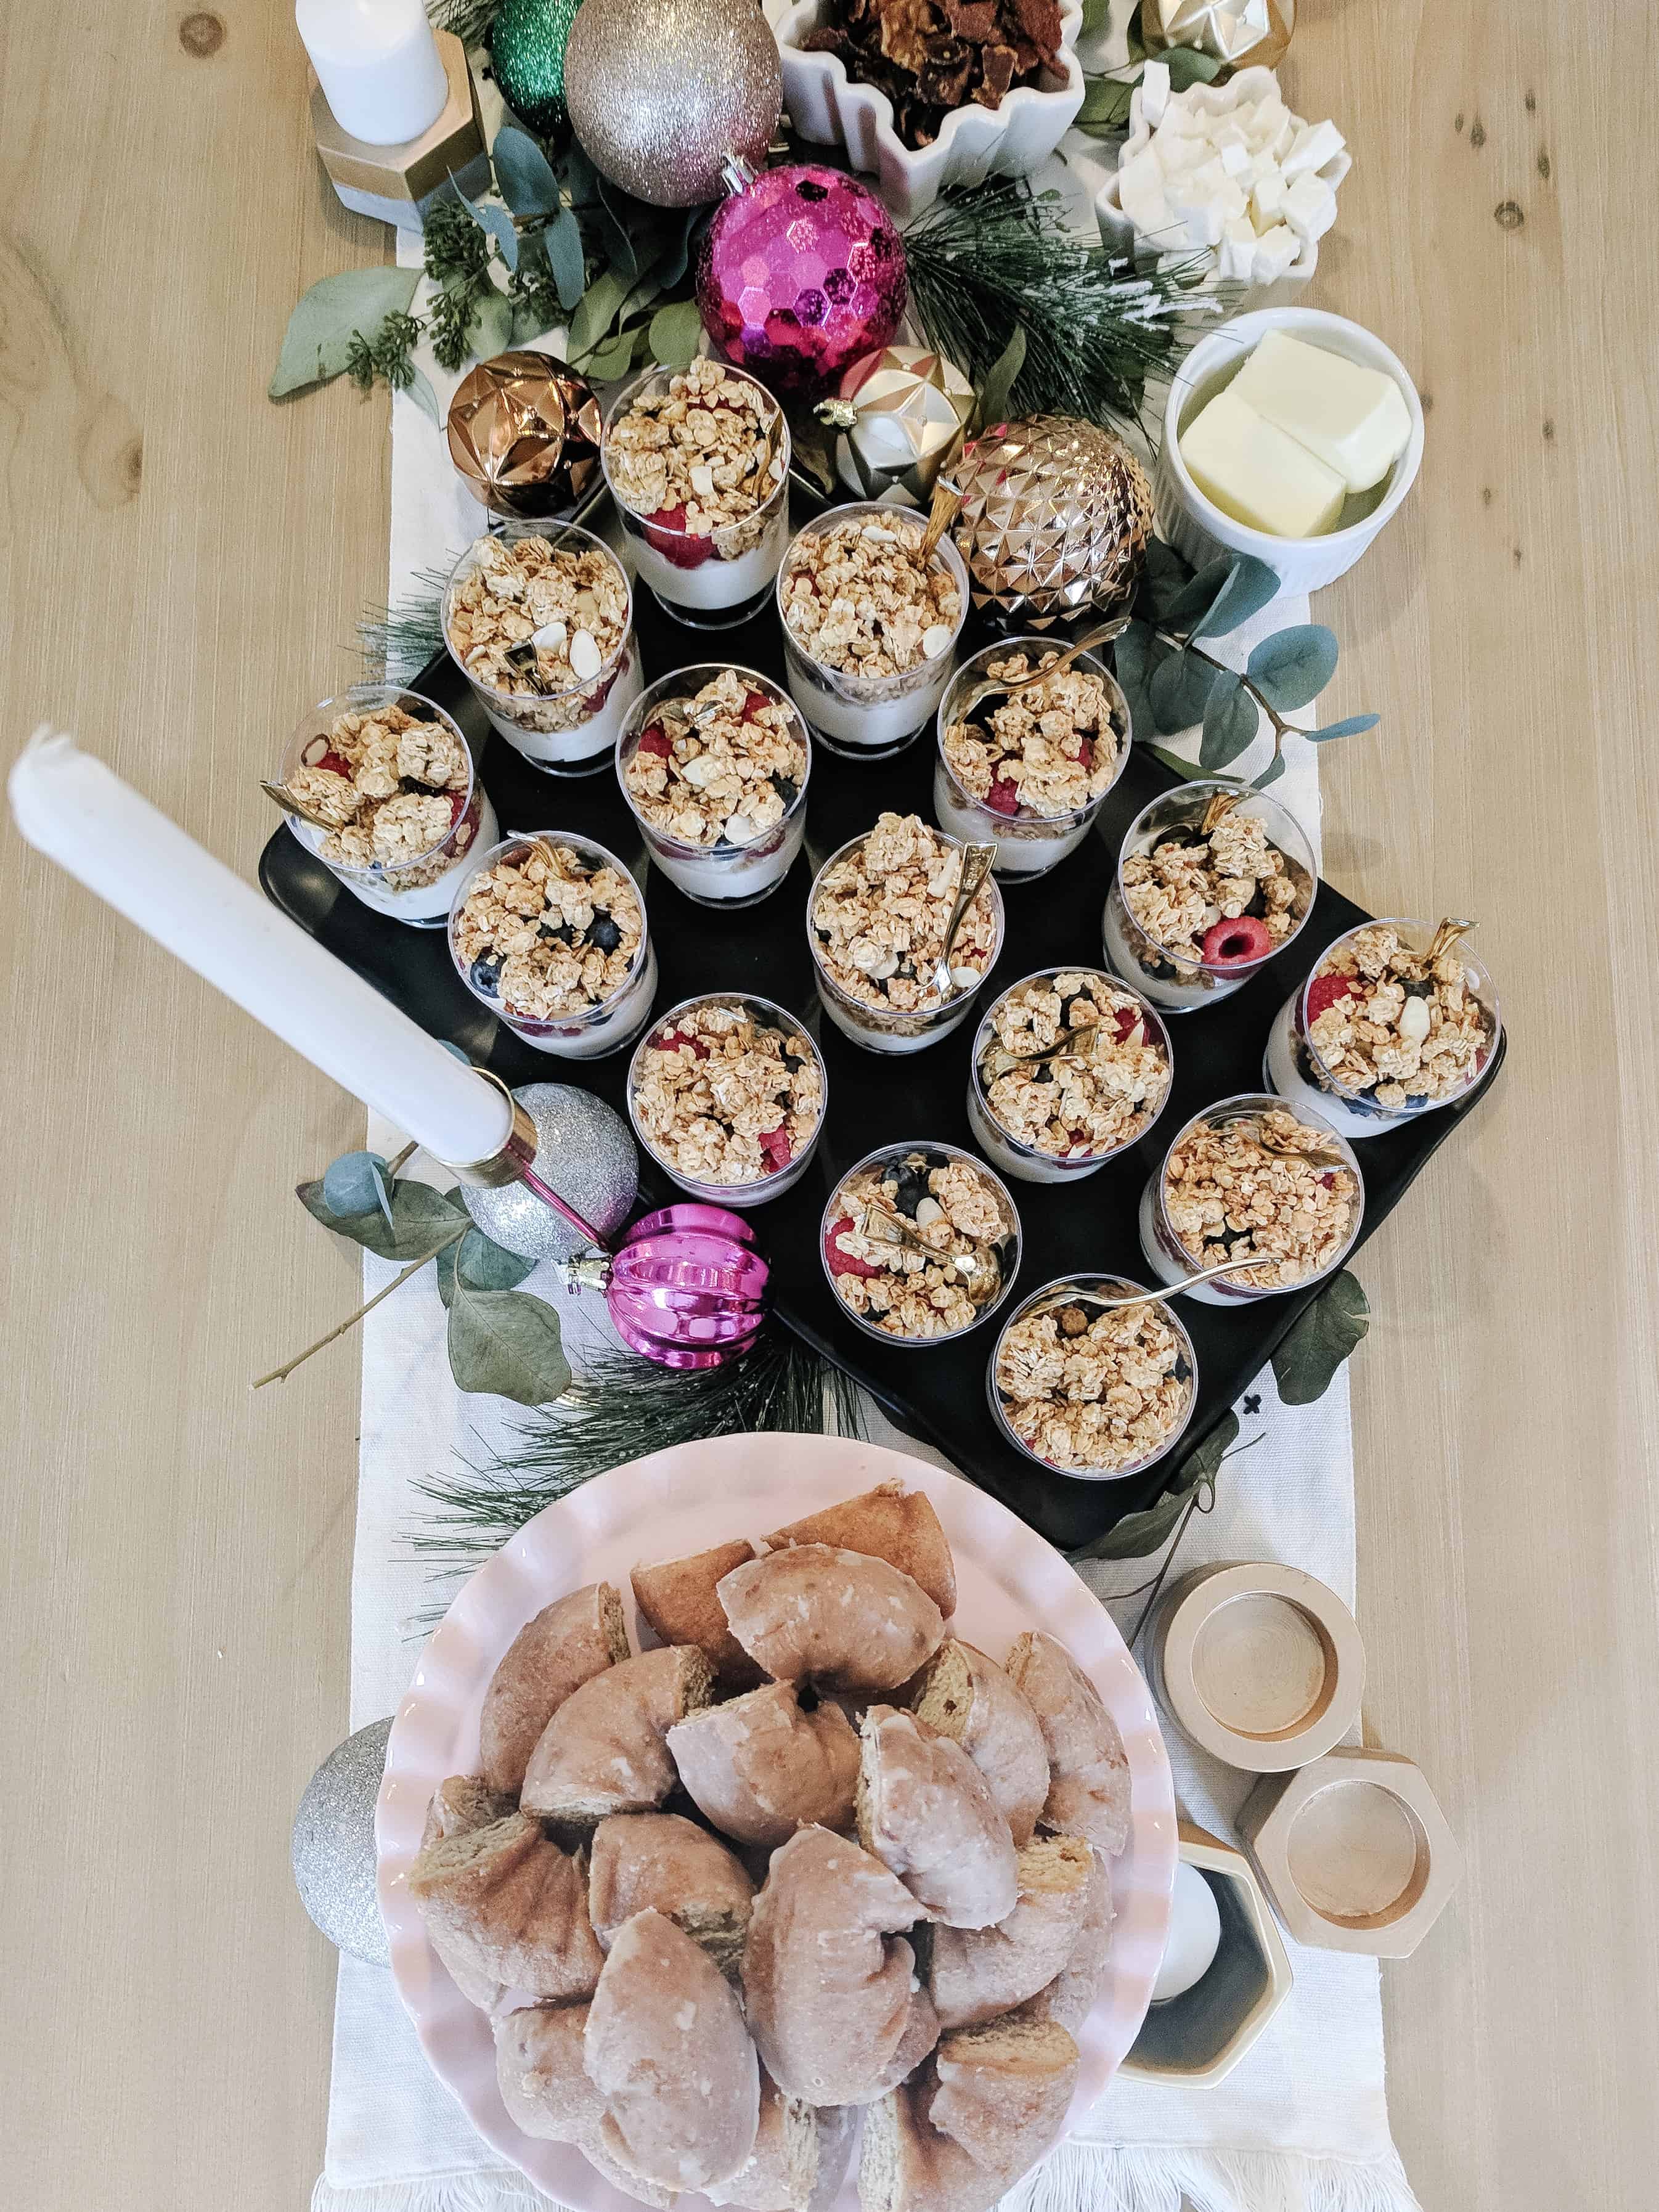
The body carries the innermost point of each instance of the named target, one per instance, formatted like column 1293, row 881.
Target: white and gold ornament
column 1236, row 32
column 902, row 413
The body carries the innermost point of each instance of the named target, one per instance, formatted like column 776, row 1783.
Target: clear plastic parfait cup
column 1188, row 918
column 1248, row 1179
column 1096, row 1395
column 920, row 1242
column 1397, row 1017
column 705, row 1074
column 1057, row 1116
column 708, row 580
column 539, row 617
column 719, row 858
column 393, row 777
column 549, row 931
column 1030, row 838
column 870, row 717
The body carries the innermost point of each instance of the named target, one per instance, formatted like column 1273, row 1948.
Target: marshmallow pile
column 1228, row 170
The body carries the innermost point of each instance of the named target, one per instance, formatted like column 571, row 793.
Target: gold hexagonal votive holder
column 397, row 183
column 1353, row 1850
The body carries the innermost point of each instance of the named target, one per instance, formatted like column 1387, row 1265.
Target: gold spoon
column 947, row 505
column 1102, row 634
column 279, row 795
column 977, row 863
column 1157, row 1297
column 981, row 1273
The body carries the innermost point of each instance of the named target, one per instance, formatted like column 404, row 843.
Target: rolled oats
column 857, row 599
column 1098, row 1391
column 919, row 1244
column 697, row 458
column 547, row 936
column 1053, row 747
column 1196, row 880
column 880, row 911
column 723, row 1096
column 722, row 767
column 533, row 620
column 393, row 787
column 1095, row 1096
column 1245, row 1188
column 1403, row 1026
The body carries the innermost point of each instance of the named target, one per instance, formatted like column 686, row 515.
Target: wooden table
column 182, row 566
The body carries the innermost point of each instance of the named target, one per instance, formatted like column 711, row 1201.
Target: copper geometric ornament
column 524, row 434
column 1054, row 521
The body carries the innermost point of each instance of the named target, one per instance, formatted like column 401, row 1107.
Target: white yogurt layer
column 1032, row 855
column 1170, row 1271
column 884, row 1039
column 1283, row 1077
column 865, row 723
column 429, row 905
column 619, row 1025
column 714, row 877
column 589, row 743
column 1026, row 1167
column 713, row 583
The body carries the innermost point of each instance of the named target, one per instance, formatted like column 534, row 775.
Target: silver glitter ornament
column 332, row 1846
column 583, row 1151
column 662, row 99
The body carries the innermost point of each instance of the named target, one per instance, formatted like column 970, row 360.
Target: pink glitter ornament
column 686, row 1287
column 801, row 272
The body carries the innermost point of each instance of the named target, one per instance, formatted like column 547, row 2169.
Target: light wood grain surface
column 181, row 565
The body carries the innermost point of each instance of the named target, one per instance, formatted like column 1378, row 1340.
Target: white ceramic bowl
column 680, row 1501
column 1197, row 528
column 975, row 143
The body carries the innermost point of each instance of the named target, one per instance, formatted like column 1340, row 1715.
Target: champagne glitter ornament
column 1055, row 517
column 332, row 1845
column 527, row 42
column 1242, row 33
column 901, row 412
column 665, row 99
column 524, row 434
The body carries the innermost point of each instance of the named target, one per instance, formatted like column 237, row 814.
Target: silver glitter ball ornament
column 584, row 1151
column 661, row 99
column 332, row 1845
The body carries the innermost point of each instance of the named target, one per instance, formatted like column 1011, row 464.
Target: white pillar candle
column 378, row 64
column 73, row 809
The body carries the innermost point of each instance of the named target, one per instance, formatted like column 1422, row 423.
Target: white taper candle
column 378, row 64
column 78, row 813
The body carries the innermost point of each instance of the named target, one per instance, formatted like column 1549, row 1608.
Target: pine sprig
column 470, row 20
column 1000, row 257
column 397, row 640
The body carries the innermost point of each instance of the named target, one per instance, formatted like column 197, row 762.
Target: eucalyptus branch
column 1282, row 729
column 281, row 1374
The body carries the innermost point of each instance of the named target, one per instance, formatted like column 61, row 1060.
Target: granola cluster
column 880, row 912
column 1097, row 1391
column 1049, row 748
column 857, row 597
column 698, row 458
column 1248, row 1188
column 1403, row 1026
column 392, row 787
column 724, row 1097
column 1195, row 885
column 722, row 767
column 537, row 620
column 546, row 936
column 931, row 57
column 919, row 1245
column 1095, row 1094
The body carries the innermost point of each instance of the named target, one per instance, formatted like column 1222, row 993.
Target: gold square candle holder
column 397, row 183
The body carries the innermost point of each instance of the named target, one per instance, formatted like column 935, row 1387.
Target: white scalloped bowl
column 974, row 143
column 681, row 1501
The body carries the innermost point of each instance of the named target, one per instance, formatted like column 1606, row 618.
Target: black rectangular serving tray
column 938, row 1392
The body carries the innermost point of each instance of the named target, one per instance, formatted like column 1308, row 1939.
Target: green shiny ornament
column 526, row 50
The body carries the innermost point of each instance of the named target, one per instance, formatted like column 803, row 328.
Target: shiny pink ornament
column 801, row 272
column 686, row 1287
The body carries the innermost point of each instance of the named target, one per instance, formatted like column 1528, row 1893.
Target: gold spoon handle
column 1160, row 1297
column 976, row 864
column 947, row 505
column 279, row 795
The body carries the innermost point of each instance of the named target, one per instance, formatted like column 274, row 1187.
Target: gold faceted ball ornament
column 1242, row 34
column 902, row 413
column 524, row 434
column 1055, row 517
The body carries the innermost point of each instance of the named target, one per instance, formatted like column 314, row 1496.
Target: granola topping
column 546, row 936
column 1194, row 881
column 1049, row 749
column 919, row 1244
column 1094, row 1390
column 1097, row 1094
column 699, row 459
column 723, row 1096
column 537, row 621
column 722, row 767
column 1247, row 1187
column 1403, row 1026
column 856, row 597
column 393, row 787
column 880, row 912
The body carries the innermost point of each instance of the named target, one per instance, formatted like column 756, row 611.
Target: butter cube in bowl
column 1291, row 435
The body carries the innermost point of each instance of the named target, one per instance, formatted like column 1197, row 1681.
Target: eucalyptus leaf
column 561, row 243
column 581, row 179
column 1187, row 67
column 1321, row 1340
column 1094, row 16
column 482, row 1265
column 1105, row 107
column 422, row 1219
column 675, row 332
column 1294, row 665
column 1198, row 595
column 419, row 388
column 1181, row 769
column 1251, row 585
column 1230, row 720
column 1139, row 1535
column 1167, row 575
column 677, row 246
column 334, row 310
column 991, row 405
column 507, row 1343
column 356, row 1183
column 495, row 221
column 1354, row 725
column 597, row 311
column 1181, row 688
column 523, row 171
column 616, row 356
column 1271, row 774
column 492, row 325
column 1132, row 655
column 619, row 251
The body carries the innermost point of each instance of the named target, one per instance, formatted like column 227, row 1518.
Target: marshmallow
column 1175, row 157
column 1268, row 200
column 1236, row 158
column 1154, row 93
column 1314, row 145
column 1237, row 257
column 1310, row 206
column 1275, row 250
column 1140, row 194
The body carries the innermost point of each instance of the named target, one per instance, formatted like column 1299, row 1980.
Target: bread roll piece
column 462, row 1803
column 970, row 1698
column 827, row 1979
column 660, row 1862
column 604, row 1751
column 1089, row 1771
column 888, row 1523
column 979, row 1973
column 799, row 2160
column 1069, row 1997
column 677, row 1598
column 814, row 1613
column 545, row 2086
column 667, row 2048
column 927, row 1812
column 759, row 1767
column 508, row 1908
column 921, row 2034
column 566, row 1644
column 983, row 2111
